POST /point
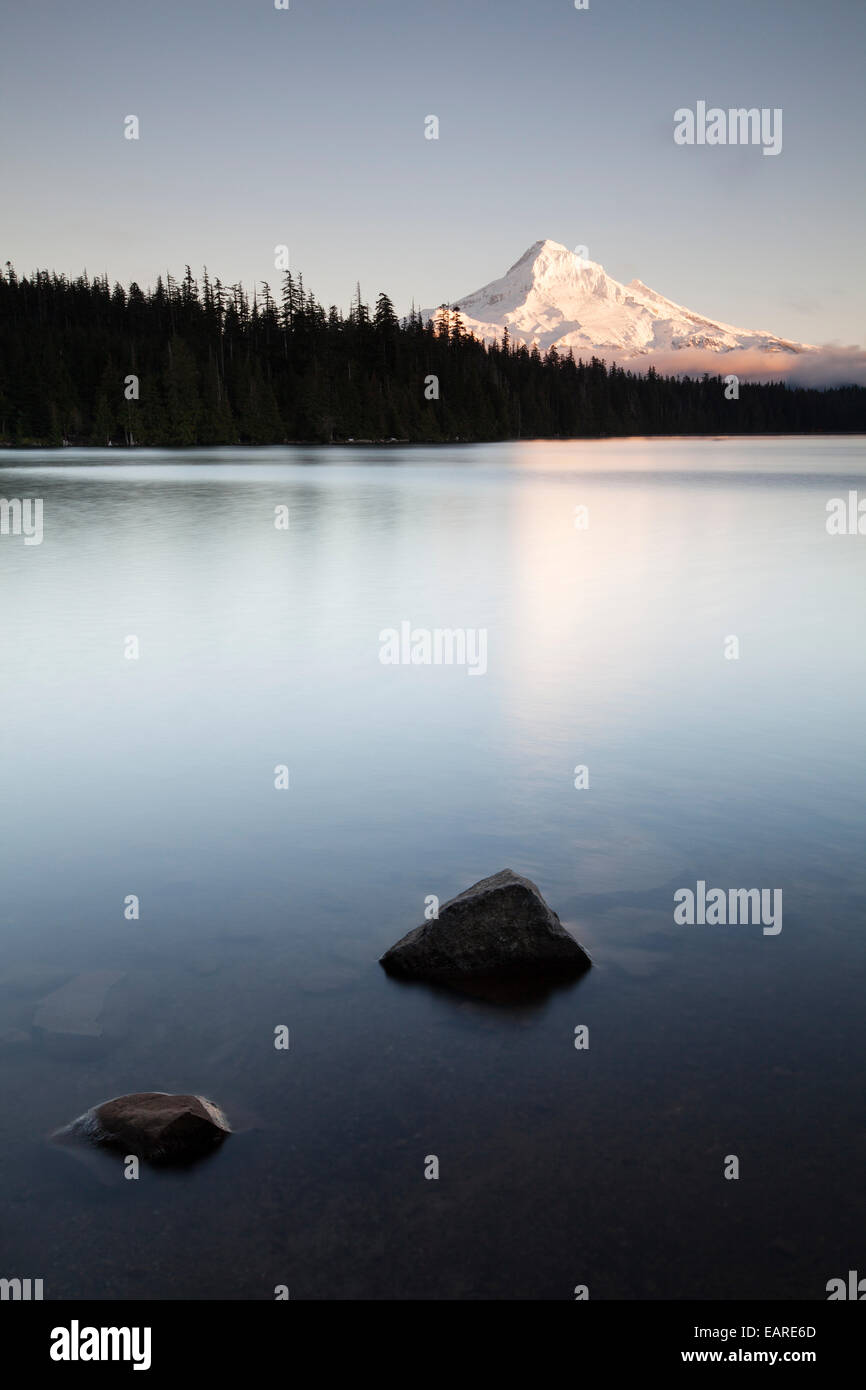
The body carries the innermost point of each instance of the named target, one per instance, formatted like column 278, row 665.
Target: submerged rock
column 71, row 1019
column 500, row 926
column 154, row 1125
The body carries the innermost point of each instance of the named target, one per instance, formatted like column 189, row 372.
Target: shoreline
column 425, row 443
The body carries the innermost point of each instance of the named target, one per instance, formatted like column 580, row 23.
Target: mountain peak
column 549, row 246
column 552, row 254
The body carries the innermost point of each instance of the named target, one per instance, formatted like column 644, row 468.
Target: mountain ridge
column 553, row 297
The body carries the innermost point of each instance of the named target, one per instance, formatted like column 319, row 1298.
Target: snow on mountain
column 553, row 296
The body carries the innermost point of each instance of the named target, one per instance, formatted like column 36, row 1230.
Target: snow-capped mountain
column 554, row 296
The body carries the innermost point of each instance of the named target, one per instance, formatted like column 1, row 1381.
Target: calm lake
column 609, row 647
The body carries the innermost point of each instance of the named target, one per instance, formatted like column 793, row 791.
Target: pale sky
column 306, row 127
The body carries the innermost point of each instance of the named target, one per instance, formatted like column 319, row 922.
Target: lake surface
column 607, row 647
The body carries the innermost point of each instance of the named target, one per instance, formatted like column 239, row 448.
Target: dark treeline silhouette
column 212, row 367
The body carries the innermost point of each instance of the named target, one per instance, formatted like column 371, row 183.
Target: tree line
column 194, row 362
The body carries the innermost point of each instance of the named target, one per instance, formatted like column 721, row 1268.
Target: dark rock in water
column 500, row 926
column 154, row 1125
